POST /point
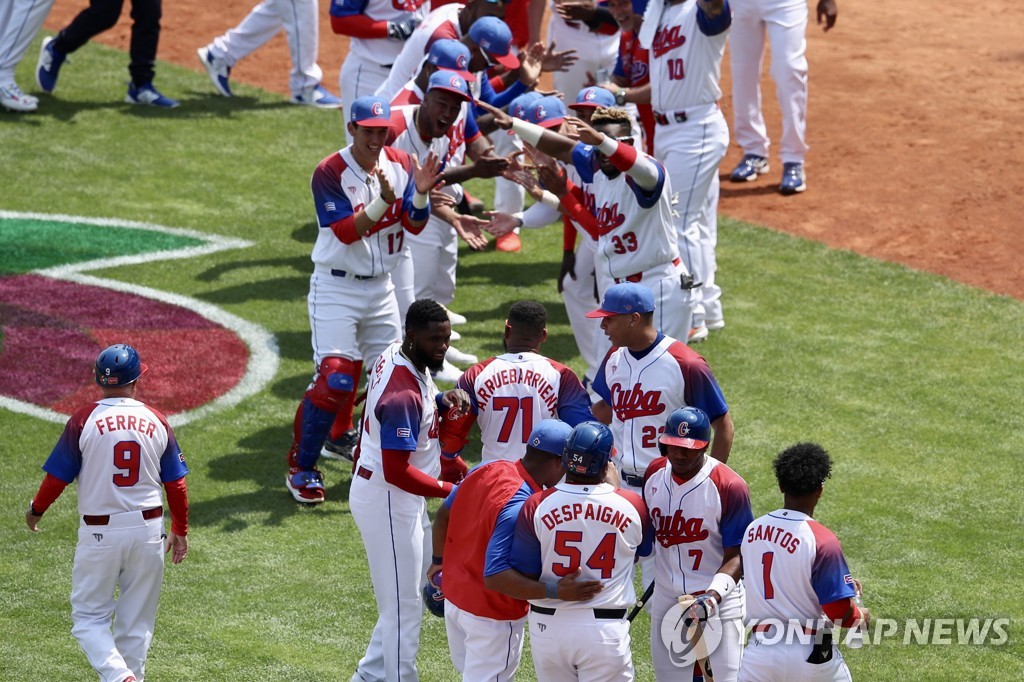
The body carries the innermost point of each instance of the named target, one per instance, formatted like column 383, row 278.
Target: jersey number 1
column 766, row 564
column 127, row 459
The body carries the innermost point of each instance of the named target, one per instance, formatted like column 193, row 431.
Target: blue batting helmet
column 433, row 598
column 687, row 427
column 118, row 365
column 588, row 449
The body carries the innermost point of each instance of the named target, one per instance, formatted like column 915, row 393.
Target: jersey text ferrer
column 511, row 394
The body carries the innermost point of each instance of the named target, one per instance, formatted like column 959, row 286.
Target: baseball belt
column 350, row 275
column 638, row 276
column 104, row 519
column 603, row 614
column 635, row 481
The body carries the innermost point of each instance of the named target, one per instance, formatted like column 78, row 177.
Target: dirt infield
column 916, row 125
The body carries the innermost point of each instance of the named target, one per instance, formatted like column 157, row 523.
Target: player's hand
column 32, row 520
column 531, row 64
column 492, row 166
column 704, row 607
column 568, row 268
column 571, row 589
column 401, row 30
column 576, row 10
column 557, row 61
column 453, row 470
column 439, row 199
column 178, row 546
column 583, row 132
column 469, row 227
column 501, row 119
column 553, row 178
column 431, row 572
column 611, row 475
column 387, row 192
column 499, row 224
column 827, row 13
column 458, row 400
column 427, row 176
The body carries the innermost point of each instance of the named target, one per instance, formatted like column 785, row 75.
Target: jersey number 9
column 127, row 459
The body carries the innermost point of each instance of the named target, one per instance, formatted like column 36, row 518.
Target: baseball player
column 686, row 42
column 300, row 20
column 473, row 532
column 583, row 524
column 632, row 204
column 397, row 468
column 100, row 16
column 509, row 393
column 589, row 29
column 20, row 21
column 121, row 452
column 699, row 509
column 367, row 197
column 631, row 79
column 377, row 30
column 795, row 572
column 784, row 22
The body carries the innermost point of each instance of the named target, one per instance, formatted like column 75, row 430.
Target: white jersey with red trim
column 451, row 148
column 341, row 188
column 598, row 529
column 792, row 565
column 400, row 414
column 442, row 22
column 694, row 521
column 685, row 62
column 635, row 226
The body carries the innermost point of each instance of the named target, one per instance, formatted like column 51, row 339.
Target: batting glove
column 703, row 608
column 401, row 30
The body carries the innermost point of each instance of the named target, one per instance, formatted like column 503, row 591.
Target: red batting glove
column 453, row 470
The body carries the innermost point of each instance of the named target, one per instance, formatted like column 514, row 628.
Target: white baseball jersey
column 511, row 394
column 442, row 22
column 686, row 57
column 596, row 528
column 793, row 565
column 380, row 50
column 451, row 148
column 642, row 391
column 341, row 188
column 400, row 414
column 635, row 226
column 694, row 521
column 122, row 452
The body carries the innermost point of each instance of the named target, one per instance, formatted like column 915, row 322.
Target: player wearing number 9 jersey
column 582, row 524
column 120, row 451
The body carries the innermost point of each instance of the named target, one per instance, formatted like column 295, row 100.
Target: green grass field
column 913, row 382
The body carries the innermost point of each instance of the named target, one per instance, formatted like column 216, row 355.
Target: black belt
column 363, row 472
column 104, row 519
column 635, row 481
column 669, row 117
column 603, row 614
column 342, row 273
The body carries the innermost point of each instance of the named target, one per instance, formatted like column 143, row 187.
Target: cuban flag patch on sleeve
column 329, row 206
column 848, row 579
column 404, row 433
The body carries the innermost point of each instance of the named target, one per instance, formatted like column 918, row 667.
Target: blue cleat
column 218, row 70
column 749, row 168
column 48, row 66
column 149, row 96
column 317, row 97
column 793, row 178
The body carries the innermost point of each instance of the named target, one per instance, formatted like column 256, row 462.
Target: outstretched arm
column 551, row 143
column 623, row 156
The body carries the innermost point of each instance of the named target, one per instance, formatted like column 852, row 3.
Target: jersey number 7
column 602, row 559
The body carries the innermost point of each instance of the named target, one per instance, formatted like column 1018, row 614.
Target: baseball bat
column 640, row 604
column 686, row 601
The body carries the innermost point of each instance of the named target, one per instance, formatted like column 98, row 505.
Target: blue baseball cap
column 451, row 55
column 550, row 436
column 495, row 38
column 639, row 7
column 371, row 112
column 518, row 107
column 450, row 81
column 625, row 299
column 547, row 112
column 593, row 97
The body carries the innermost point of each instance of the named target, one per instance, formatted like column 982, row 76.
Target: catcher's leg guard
column 330, row 391
column 343, row 420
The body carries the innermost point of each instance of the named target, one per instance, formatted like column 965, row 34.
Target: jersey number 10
column 676, row 72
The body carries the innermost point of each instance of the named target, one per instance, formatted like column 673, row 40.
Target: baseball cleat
column 13, row 99
column 455, row 318
column 457, row 356
column 341, row 448
column 449, row 373
column 317, row 97
column 508, row 242
column 305, row 486
column 749, row 168
column 218, row 69
column 455, row 336
column 697, row 334
column 148, row 96
column 794, row 179
column 48, row 66
column 714, row 325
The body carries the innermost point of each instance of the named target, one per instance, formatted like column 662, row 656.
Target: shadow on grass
column 194, row 105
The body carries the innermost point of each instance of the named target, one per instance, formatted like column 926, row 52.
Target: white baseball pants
column 765, row 661
column 301, row 23
column 574, row 645
column 578, row 296
column 20, row 21
column 435, row 255
column 127, row 554
column 359, row 77
column 784, row 22
column 595, row 51
column 710, row 307
column 350, row 318
column 396, row 534
column 483, row 648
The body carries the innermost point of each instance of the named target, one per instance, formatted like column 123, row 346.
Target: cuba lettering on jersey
column 694, row 521
column 792, row 565
column 341, row 188
column 400, row 414
column 686, row 57
column 634, row 64
column 595, row 528
column 635, row 227
column 380, row 50
column 122, row 452
column 643, row 391
column 442, row 22
column 510, row 394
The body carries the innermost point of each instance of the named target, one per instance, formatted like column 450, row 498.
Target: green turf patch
column 28, row 244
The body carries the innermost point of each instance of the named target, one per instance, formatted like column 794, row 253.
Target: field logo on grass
column 54, row 319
